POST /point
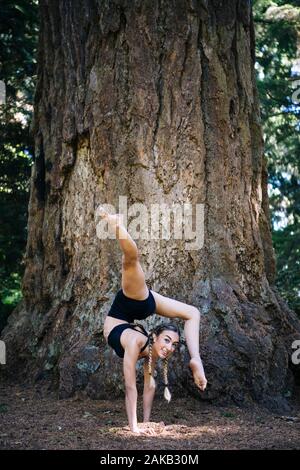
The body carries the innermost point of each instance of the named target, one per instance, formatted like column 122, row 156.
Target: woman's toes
column 102, row 212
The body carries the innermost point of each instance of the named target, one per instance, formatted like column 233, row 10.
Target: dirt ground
column 33, row 419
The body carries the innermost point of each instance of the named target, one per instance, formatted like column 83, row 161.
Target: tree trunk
column 154, row 100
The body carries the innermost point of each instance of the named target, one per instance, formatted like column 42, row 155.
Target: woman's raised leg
column 171, row 308
column 133, row 278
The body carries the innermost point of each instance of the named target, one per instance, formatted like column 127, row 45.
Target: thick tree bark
column 155, row 100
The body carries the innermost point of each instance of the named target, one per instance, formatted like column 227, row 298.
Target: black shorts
column 127, row 309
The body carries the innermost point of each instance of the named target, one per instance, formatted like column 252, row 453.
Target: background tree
column 18, row 38
column 157, row 101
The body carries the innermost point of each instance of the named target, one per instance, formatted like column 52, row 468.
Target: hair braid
column 152, row 381
column 167, row 393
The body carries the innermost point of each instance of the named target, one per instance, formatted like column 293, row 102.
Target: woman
column 136, row 301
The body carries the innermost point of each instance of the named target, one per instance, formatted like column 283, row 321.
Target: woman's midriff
column 109, row 324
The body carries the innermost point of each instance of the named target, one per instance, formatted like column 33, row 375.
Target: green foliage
column 277, row 35
column 287, row 247
column 18, row 39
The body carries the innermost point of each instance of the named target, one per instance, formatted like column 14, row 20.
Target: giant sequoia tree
column 154, row 100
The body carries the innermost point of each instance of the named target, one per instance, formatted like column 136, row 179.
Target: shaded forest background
column 278, row 77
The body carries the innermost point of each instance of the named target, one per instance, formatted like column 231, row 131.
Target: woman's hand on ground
column 143, row 432
column 148, row 429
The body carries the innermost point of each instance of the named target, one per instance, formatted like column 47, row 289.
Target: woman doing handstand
column 136, row 302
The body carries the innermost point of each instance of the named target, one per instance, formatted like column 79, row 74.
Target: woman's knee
column 194, row 313
column 130, row 260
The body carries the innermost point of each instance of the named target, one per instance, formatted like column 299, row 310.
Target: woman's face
column 165, row 343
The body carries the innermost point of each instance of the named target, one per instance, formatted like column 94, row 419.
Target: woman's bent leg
column 171, row 308
column 133, row 278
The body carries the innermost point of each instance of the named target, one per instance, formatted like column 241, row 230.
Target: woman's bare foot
column 115, row 223
column 198, row 373
column 114, row 220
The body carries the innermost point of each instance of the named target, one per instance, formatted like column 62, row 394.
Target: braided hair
column 152, row 381
column 157, row 331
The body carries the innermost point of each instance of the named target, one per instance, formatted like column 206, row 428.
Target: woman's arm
column 129, row 364
column 148, row 395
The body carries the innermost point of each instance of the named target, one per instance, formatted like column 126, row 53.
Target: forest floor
column 31, row 418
